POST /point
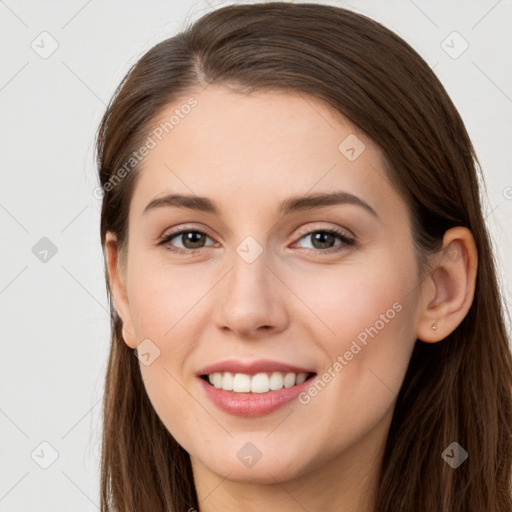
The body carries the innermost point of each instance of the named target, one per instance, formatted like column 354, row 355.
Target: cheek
column 364, row 323
column 164, row 297
column 366, row 316
column 164, row 304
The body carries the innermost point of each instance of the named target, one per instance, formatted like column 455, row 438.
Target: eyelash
column 346, row 240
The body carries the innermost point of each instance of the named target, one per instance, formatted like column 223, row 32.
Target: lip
column 252, row 404
column 252, row 367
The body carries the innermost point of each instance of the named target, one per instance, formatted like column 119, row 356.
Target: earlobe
column 117, row 285
column 451, row 286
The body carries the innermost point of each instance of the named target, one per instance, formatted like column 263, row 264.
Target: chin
column 266, row 465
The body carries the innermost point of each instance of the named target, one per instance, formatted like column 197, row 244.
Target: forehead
column 249, row 149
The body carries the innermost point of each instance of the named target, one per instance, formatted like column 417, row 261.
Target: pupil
column 320, row 237
column 189, row 237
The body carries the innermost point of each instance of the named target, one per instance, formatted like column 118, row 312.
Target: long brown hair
column 459, row 389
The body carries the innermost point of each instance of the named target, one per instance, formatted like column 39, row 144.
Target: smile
column 255, row 388
column 258, row 383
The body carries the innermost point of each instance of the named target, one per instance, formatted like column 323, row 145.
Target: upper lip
column 252, row 367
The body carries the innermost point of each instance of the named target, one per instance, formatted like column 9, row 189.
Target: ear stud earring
column 434, row 327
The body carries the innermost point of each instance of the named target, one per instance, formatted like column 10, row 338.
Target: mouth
column 258, row 383
column 253, row 388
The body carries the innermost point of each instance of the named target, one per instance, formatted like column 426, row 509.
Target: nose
column 250, row 300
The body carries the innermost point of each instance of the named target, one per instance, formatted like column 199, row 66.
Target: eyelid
column 184, row 228
column 336, row 229
column 346, row 236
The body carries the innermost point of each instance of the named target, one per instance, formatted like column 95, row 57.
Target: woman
column 296, row 254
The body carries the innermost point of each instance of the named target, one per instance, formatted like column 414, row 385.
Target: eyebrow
column 291, row 204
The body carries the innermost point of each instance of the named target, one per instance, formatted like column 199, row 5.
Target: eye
column 190, row 239
column 323, row 240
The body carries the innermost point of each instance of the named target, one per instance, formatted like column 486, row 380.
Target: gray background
column 53, row 307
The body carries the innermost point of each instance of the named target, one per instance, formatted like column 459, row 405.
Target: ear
column 117, row 282
column 450, row 287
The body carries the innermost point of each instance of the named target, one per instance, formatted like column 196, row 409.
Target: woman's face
column 262, row 284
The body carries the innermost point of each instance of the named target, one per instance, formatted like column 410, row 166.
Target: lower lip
column 252, row 404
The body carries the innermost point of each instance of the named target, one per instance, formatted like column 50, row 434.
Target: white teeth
column 301, row 377
column 241, row 383
column 217, row 380
column 259, row 383
column 227, row 381
column 289, row 380
column 276, row 381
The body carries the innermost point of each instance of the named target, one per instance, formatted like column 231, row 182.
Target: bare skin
column 298, row 302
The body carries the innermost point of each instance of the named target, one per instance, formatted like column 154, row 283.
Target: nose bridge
column 249, row 261
column 248, row 297
column 248, row 282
